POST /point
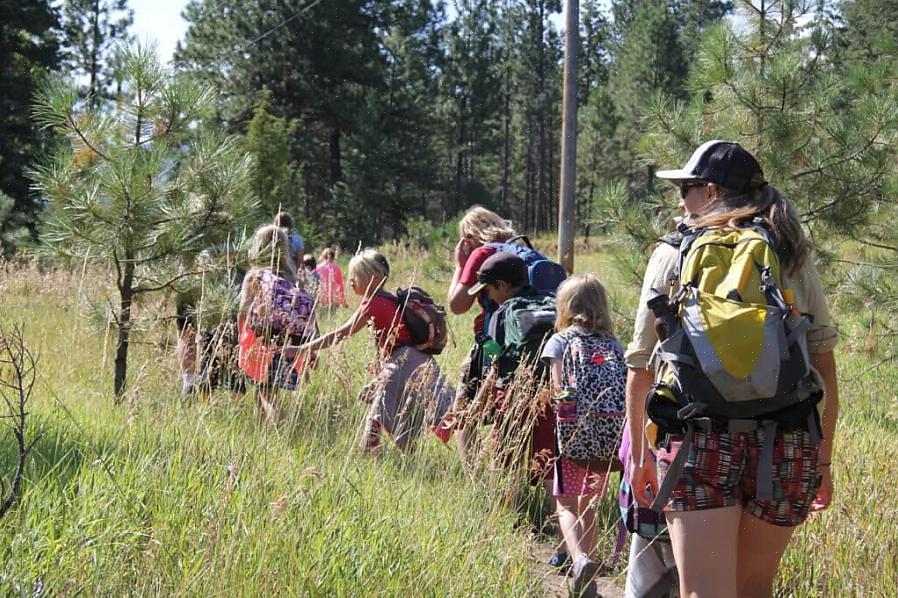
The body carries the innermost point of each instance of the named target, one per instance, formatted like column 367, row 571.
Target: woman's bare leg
column 761, row 547
column 704, row 544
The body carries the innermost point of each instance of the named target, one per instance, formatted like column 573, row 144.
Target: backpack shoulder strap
column 688, row 238
column 759, row 225
column 517, row 238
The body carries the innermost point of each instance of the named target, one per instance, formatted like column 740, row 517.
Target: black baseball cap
column 501, row 266
column 724, row 163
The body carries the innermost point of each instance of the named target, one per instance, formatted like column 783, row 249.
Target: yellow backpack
column 735, row 355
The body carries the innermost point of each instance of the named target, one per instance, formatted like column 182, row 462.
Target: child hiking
column 408, row 387
column 477, row 229
column 588, row 377
column 331, row 291
column 742, row 369
column 514, row 398
column 273, row 314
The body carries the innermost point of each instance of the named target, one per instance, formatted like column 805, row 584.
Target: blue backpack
column 545, row 275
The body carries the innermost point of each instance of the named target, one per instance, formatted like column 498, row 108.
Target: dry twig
column 17, row 374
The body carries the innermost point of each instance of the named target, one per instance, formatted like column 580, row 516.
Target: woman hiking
column 741, row 489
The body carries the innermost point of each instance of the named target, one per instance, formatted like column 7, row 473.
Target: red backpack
column 424, row 319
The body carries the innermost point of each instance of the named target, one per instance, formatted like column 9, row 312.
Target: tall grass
column 167, row 496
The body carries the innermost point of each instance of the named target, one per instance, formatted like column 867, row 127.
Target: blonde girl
column 272, row 275
column 583, row 323
column 396, row 404
column 477, row 228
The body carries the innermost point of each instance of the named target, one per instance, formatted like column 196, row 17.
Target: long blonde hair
column 270, row 250
column 582, row 301
column 732, row 209
column 484, row 226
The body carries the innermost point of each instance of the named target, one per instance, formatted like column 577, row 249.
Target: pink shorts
column 572, row 479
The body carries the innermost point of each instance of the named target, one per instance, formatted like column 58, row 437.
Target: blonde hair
column 582, row 301
column 484, row 226
column 270, row 250
column 367, row 264
column 733, row 209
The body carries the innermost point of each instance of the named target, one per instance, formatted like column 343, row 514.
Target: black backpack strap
column 759, row 225
column 381, row 292
column 687, row 238
column 523, row 238
column 673, row 239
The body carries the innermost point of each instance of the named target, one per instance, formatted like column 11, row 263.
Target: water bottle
column 490, row 347
column 665, row 320
column 566, row 404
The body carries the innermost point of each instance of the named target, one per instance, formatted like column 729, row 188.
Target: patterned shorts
column 721, row 471
column 572, row 479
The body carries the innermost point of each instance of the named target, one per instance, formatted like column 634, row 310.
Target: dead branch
column 17, row 374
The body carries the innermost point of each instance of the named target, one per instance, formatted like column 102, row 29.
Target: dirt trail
column 555, row 586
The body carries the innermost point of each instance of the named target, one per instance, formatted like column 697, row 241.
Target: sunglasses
column 685, row 186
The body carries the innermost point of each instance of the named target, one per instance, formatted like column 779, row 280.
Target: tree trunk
column 335, row 166
column 460, row 156
column 123, row 318
column 506, row 151
column 94, row 56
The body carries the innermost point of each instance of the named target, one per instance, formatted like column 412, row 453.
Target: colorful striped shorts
column 721, row 471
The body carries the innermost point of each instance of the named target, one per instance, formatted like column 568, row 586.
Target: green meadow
column 162, row 495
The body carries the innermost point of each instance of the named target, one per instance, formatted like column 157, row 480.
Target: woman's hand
column 642, row 478
column 824, row 495
column 461, row 253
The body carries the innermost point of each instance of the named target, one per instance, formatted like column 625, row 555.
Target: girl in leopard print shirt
column 584, row 335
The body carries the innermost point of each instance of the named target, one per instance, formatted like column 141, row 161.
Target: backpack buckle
column 691, row 410
column 767, row 282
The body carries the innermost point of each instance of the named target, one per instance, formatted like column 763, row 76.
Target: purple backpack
column 281, row 308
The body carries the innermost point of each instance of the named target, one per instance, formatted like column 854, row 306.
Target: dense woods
column 365, row 116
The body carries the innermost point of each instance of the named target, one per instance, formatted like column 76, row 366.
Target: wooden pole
column 566, row 210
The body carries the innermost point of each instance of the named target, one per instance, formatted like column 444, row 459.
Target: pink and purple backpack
column 281, row 309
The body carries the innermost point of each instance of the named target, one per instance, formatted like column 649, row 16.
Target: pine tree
column 92, row 29
column 870, row 31
column 649, row 59
column 537, row 116
column 825, row 137
column 138, row 190
column 472, row 87
column 28, row 48
column 268, row 139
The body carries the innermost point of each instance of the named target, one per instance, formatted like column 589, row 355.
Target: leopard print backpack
column 594, row 376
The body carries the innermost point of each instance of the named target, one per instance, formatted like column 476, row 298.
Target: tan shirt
column 809, row 298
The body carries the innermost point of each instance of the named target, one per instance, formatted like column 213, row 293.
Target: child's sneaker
column 371, row 436
column 584, row 571
column 443, row 430
column 561, row 562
